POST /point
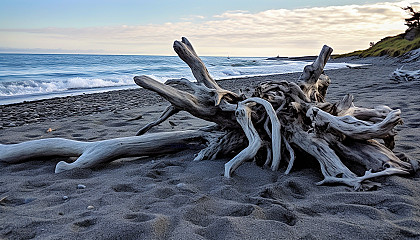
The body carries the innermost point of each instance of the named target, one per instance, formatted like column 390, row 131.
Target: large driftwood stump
column 278, row 120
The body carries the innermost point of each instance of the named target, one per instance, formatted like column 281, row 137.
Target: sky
column 215, row 28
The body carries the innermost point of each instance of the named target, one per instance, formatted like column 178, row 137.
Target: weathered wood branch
column 186, row 52
column 357, row 182
column 15, row 153
column 346, row 107
column 93, row 153
column 274, row 133
column 243, row 116
column 406, row 75
column 222, row 144
column 313, row 83
column 206, row 91
column 169, row 111
column 371, row 155
column 352, row 127
column 330, row 163
column 292, row 156
column 201, row 106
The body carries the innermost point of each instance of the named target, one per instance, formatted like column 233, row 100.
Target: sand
column 171, row 197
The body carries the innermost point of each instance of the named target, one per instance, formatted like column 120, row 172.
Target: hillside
column 392, row 46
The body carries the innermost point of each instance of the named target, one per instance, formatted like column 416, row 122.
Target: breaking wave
column 38, row 76
column 30, row 87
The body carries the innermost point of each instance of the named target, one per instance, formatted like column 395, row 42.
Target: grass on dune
column 391, row 46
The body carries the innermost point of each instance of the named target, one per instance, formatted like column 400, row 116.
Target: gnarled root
column 222, row 144
column 357, row 182
column 352, row 127
column 283, row 117
column 243, row 116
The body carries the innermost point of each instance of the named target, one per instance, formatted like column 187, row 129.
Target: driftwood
column 280, row 119
column 399, row 74
column 93, row 153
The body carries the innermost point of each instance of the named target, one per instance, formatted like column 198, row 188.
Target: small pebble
column 81, row 186
column 150, row 186
column 65, row 197
column 28, row 200
column 90, row 207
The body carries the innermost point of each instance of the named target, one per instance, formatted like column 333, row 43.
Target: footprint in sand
column 138, row 217
column 13, row 202
column 34, row 184
column 83, row 224
column 297, row 191
column 124, row 188
column 164, row 193
column 281, row 214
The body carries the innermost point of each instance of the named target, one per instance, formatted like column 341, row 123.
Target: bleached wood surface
column 281, row 117
column 93, row 153
column 405, row 75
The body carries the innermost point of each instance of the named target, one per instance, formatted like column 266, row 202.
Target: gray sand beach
column 172, row 197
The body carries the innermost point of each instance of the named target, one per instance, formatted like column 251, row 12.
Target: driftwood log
column 279, row 120
column 399, row 74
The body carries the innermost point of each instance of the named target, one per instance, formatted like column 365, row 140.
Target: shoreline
column 26, row 112
column 62, row 88
column 18, row 114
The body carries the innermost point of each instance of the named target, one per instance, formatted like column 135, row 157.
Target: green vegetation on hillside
column 391, row 46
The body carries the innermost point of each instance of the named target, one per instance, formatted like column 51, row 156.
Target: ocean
column 27, row 77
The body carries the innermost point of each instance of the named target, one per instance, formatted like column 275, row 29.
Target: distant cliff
column 392, row 46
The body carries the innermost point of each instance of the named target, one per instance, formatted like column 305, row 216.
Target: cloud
column 192, row 18
column 51, row 50
column 267, row 33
